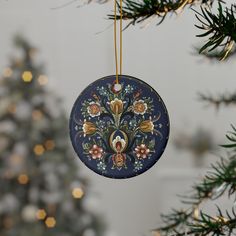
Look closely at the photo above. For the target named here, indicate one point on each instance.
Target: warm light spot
(12, 108)
(37, 115)
(7, 72)
(43, 79)
(221, 219)
(225, 220)
(23, 179)
(49, 144)
(39, 149)
(77, 193)
(196, 213)
(41, 214)
(50, 222)
(27, 76)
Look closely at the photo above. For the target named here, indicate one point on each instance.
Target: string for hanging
(115, 40)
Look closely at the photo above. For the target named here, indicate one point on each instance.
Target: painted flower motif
(139, 107)
(94, 109)
(103, 91)
(89, 128)
(142, 151)
(129, 89)
(117, 106)
(96, 152)
(118, 144)
(146, 126)
(119, 160)
(138, 165)
(118, 132)
(101, 166)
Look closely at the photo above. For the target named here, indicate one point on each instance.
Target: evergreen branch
(229, 99)
(231, 136)
(181, 223)
(216, 182)
(220, 29)
(175, 221)
(139, 11)
(213, 56)
(209, 225)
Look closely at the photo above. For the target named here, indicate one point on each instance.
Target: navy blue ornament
(119, 131)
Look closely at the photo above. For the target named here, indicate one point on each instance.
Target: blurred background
(75, 46)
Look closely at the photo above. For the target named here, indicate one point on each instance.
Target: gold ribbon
(115, 40)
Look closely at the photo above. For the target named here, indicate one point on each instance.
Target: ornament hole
(117, 87)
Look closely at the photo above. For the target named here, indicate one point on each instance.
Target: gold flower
(116, 106)
(94, 109)
(146, 126)
(140, 107)
(89, 128)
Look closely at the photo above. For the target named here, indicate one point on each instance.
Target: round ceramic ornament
(119, 130)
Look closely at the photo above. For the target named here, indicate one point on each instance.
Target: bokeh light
(50, 222)
(41, 214)
(42, 80)
(49, 144)
(23, 179)
(77, 193)
(27, 76)
(39, 149)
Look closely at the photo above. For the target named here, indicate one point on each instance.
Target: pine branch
(213, 56)
(223, 99)
(220, 29)
(209, 225)
(139, 11)
(231, 136)
(175, 221)
(216, 182)
(181, 223)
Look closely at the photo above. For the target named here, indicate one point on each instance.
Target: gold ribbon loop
(115, 40)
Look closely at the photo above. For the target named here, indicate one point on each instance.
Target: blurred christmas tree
(42, 192)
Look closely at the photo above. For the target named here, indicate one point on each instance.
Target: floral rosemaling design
(119, 161)
(142, 151)
(118, 144)
(96, 152)
(116, 106)
(140, 107)
(89, 128)
(94, 109)
(119, 129)
(146, 126)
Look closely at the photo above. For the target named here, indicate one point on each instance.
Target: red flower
(96, 152)
(142, 151)
(94, 109)
(119, 160)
